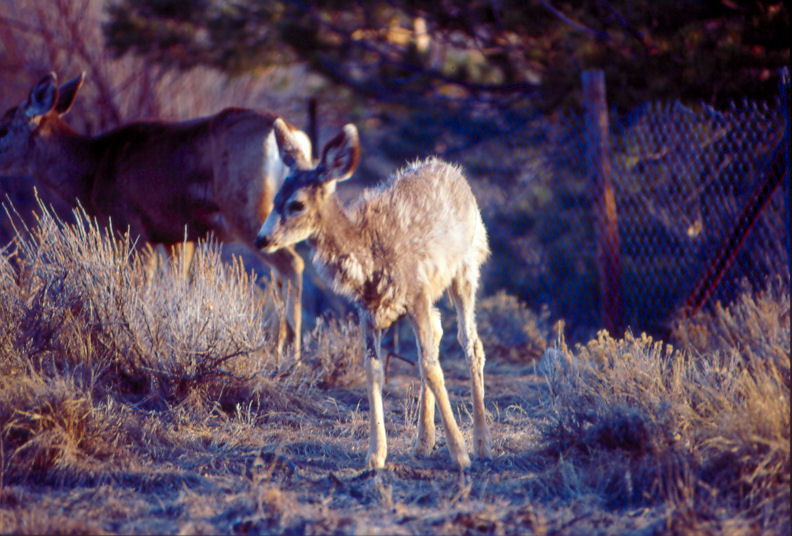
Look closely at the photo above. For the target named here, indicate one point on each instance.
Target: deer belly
(191, 221)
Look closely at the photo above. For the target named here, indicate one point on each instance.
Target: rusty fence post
(603, 201)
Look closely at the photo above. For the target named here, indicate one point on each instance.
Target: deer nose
(262, 241)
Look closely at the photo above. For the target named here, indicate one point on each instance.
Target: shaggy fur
(393, 253)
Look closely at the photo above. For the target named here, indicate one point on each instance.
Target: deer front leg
(289, 273)
(294, 302)
(375, 379)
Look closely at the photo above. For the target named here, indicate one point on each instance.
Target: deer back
(423, 225)
(217, 173)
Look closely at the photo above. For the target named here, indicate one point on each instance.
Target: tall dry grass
(89, 338)
(703, 428)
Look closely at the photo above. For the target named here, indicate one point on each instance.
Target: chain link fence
(701, 204)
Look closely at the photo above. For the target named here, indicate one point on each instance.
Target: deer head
(21, 125)
(296, 214)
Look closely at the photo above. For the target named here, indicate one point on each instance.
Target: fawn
(393, 253)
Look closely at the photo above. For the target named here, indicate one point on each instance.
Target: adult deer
(166, 182)
(392, 253)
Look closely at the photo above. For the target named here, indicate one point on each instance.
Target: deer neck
(65, 162)
(341, 251)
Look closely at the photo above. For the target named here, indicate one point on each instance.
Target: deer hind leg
(183, 253)
(426, 325)
(289, 266)
(156, 258)
(425, 440)
(152, 256)
(375, 379)
(463, 293)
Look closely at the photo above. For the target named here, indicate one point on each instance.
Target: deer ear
(341, 155)
(42, 97)
(67, 92)
(294, 146)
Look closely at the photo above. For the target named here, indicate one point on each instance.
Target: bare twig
(603, 36)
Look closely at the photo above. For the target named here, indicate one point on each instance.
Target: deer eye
(295, 206)
(3, 132)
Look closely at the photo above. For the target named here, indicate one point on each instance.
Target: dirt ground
(300, 472)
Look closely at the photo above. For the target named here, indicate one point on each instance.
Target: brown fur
(166, 182)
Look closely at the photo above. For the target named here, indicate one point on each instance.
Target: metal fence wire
(701, 203)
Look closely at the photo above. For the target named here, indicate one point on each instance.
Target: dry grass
(511, 331)
(335, 347)
(84, 325)
(705, 431)
(136, 404)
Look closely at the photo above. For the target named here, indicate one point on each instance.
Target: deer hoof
(375, 461)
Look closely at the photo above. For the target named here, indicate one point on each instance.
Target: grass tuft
(85, 322)
(337, 345)
(705, 427)
(509, 330)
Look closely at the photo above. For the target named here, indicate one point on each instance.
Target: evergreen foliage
(408, 51)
